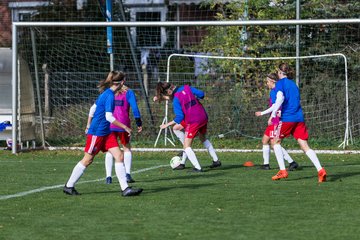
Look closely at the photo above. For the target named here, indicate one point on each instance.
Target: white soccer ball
(175, 162)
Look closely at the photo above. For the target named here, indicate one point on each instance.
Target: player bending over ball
(269, 131)
(99, 137)
(179, 131)
(191, 114)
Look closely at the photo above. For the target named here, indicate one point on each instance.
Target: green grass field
(233, 202)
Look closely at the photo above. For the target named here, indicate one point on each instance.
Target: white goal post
(347, 132)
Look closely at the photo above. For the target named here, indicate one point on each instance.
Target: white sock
(210, 148)
(120, 173)
(192, 157)
(287, 156)
(181, 137)
(78, 170)
(312, 155)
(184, 156)
(266, 153)
(279, 156)
(108, 164)
(127, 161)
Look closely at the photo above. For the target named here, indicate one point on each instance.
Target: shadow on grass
(187, 175)
(330, 177)
(182, 186)
(155, 190)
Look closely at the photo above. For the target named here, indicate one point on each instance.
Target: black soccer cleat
(70, 191)
(215, 164)
(180, 167)
(108, 180)
(293, 166)
(128, 192)
(129, 179)
(265, 167)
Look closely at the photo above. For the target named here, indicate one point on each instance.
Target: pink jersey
(121, 111)
(193, 110)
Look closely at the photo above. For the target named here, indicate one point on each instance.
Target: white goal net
(235, 87)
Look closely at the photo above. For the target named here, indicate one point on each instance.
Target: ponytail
(287, 70)
(114, 77)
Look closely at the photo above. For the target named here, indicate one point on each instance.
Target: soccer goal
(235, 88)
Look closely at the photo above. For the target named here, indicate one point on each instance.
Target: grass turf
(232, 202)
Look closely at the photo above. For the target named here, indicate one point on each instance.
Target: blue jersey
(272, 96)
(105, 103)
(130, 96)
(291, 110)
(179, 115)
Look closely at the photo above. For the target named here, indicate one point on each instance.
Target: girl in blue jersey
(100, 138)
(191, 114)
(292, 118)
(269, 131)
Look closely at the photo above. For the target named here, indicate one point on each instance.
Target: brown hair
(161, 90)
(123, 88)
(273, 76)
(285, 68)
(114, 77)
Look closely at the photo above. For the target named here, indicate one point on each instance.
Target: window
(148, 37)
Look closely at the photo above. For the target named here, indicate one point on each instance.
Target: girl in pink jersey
(124, 100)
(190, 112)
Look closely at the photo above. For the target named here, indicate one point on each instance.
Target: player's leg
(190, 153)
(109, 162)
(266, 152)
(92, 147)
(179, 132)
(128, 162)
(270, 132)
(121, 174)
(292, 164)
(282, 130)
(280, 159)
(113, 147)
(314, 159)
(76, 173)
(207, 144)
(301, 134)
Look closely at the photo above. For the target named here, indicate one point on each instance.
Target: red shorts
(297, 129)
(123, 137)
(183, 124)
(269, 131)
(191, 130)
(95, 144)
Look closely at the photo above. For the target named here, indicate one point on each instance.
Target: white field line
(217, 150)
(21, 194)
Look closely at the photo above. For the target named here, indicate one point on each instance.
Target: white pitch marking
(21, 194)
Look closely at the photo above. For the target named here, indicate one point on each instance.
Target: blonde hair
(114, 77)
